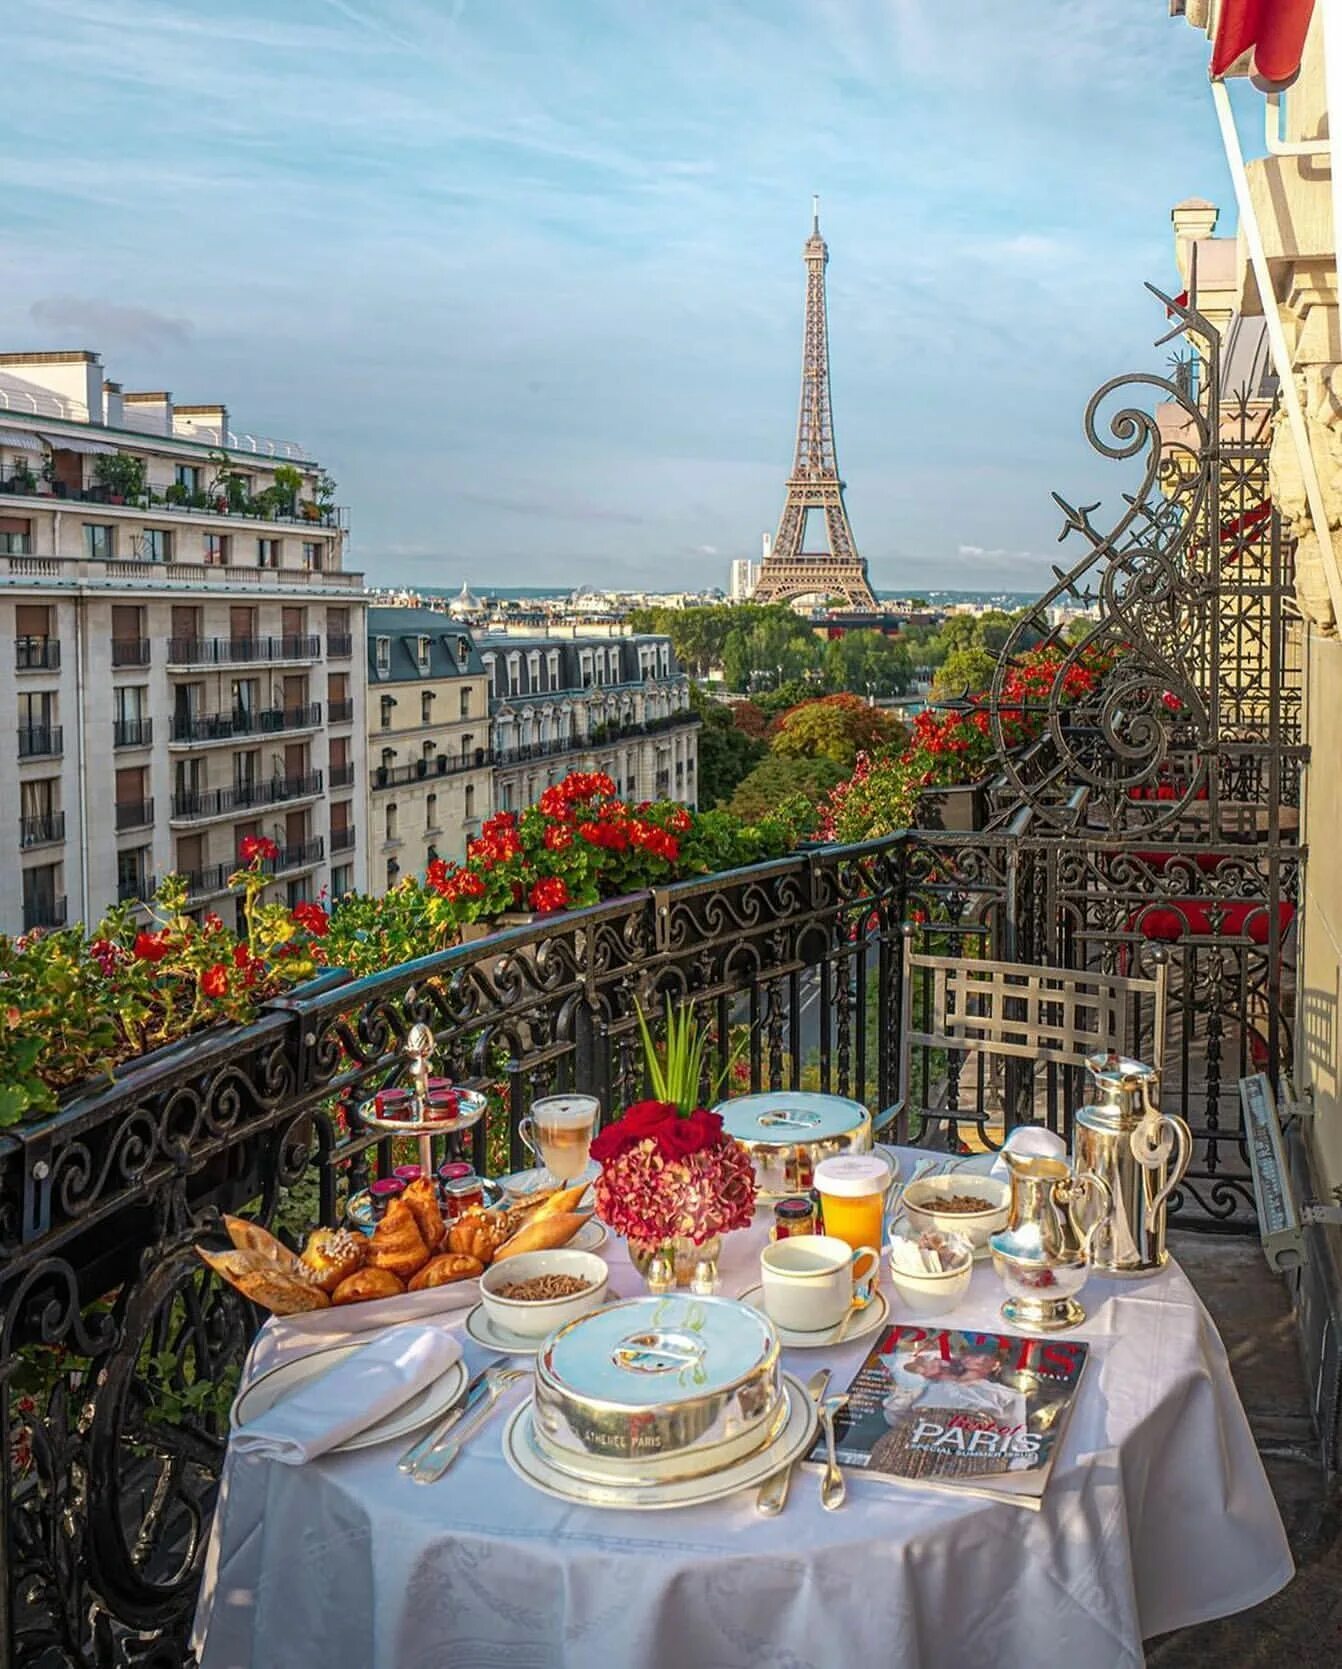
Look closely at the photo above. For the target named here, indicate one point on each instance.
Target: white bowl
(928, 1295)
(919, 1205)
(535, 1318)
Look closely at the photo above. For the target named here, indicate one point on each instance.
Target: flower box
(960, 809)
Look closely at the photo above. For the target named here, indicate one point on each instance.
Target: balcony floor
(1302, 1625)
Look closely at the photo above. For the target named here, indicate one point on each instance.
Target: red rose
(214, 981)
(639, 1123)
(151, 947)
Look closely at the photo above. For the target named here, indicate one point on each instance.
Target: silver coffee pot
(1140, 1154)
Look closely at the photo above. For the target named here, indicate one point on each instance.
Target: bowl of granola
(535, 1292)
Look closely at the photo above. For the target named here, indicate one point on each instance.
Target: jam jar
(406, 1174)
(461, 1193)
(381, 1193)
(797, 1215)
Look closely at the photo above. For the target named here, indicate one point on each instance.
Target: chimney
(1193, 219)
(151, 412)
(203, 423)
(72, 376)
(114, 415)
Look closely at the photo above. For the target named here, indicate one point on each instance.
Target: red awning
(1273, 31)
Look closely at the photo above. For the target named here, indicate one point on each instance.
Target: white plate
(426, 1405)
(591, 1235)
(521, 1453)
(874, 1316)
(521, 1183)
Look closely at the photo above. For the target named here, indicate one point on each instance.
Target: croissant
(541, 1233)
(368, 1283)
(257, 1277)
(397, 1244)
(451, 1266)
(332, 1255)
(422, 1199)
(478, 1234)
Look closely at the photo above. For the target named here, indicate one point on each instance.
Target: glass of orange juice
(852, 1189)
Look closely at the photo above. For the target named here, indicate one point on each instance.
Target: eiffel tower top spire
(789, 570)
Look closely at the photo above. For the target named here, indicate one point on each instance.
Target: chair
(1011, 1018)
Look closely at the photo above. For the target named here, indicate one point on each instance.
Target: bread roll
(397, 1244)
(368, 1283)
(478, 1234)
(332, 1256)
(441, 1271)
(542, 1233)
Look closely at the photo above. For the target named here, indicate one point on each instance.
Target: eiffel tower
(788, 570)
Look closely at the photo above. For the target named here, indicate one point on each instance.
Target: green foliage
(675, 1068)
(777, 780)
(122, 474)
(964, 669)
(867, 663)
(837, 727)
(726, 753)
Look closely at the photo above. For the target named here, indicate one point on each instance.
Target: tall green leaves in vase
(675, 1069)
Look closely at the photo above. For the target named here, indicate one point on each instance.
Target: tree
(837, 728)
(867, 662)
(764, 640)
(750, 718)
(964, 669)
(777, 779)
(726, 753)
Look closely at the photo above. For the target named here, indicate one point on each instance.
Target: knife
(772, 1495)
(474, 1411)
(435, 1434)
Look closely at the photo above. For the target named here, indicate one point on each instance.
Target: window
(463, 651)
(216, 550)
(387, 703)
(554, 669)
(130, 703)
(299, 891)
(507, 797)
(132, 870)
(312, 555)
(428, 749)
(156, 545)
(245, 774)
(470, 799)
(426, 707)
(465, 704)
(393, 870)
(514, 675)
(615, 666)
(391, 821)
(382, 653)
(16, 535)
(99, 542)
(534, 670)
(188, 476)
(342, 880)
(268, 553)
(585, 668)
(422, 653)
(431, 812)
(491, 667)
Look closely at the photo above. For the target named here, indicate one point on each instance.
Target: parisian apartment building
(589, 700)
(187, 652)
(430, 775)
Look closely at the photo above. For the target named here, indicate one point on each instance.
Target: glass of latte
(559, 1132)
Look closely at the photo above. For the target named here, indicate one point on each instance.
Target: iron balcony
(235, 651)
(242, 721)
(45, 830)
(219, 802)
(37, 654)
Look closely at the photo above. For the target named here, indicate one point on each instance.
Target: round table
(1158, 1516)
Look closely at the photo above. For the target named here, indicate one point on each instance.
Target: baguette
(541, 1234)
(258, 1278)
(565, 1199)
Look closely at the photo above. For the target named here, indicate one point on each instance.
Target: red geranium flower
(214, 981)
(257, 846)
(558, 837)
(312, 917)
(152, 947)
(549, 893)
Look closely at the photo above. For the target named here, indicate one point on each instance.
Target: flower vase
(677, 1264)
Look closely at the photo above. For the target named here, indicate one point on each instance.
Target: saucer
(527, 1460)
(589, 1237)
(521, 1183)
(866, 1321)
(481, 1328)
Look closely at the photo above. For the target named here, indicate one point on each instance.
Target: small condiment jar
(381, 1193)
(852, 1189)
(407, 1174)
(462, 1194)
(798, 1215)
(442, 1105)
(392, 1103)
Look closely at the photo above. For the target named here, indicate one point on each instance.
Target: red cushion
(1239, 918)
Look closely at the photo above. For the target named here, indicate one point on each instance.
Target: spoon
(772, 1495)
(832, 1489)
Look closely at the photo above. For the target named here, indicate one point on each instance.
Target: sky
(526, 275)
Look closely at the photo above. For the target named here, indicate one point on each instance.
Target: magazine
(982, 1413)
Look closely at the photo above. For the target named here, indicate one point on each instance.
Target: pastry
(257, 1277)
(422, 1198)
(248, 1236)
(368, 1283)
(563, 1199)
(450, 1266)
(331, 1255)
(542, 1233)
(397, 1244)
(478, 1234)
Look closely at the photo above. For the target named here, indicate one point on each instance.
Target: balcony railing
(44, 830)
(339, 646)
(132, 733)
(40, 741)
(130, 651)
(37, 654)
(43, 912)
(135, 889)
(295, 856)
(441, 765)
(201, 883)
(134, 814)
(341, 712)
(219, 802)
(238, 651)
(342, 840)
(260, 721)
(342, 776)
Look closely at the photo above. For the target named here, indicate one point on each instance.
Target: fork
(438, 1458)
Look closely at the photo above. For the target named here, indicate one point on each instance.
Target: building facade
(429, 782)
(618, 704)
(186, 655)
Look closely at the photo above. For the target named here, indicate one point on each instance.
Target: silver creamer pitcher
(1140, 1153)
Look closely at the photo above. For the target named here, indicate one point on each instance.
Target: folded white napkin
(349, 1398)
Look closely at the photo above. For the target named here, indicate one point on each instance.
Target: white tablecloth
(1158, 1515)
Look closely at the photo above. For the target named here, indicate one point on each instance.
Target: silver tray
(473, 1106)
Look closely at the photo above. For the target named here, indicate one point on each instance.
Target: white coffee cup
(811, 1281)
